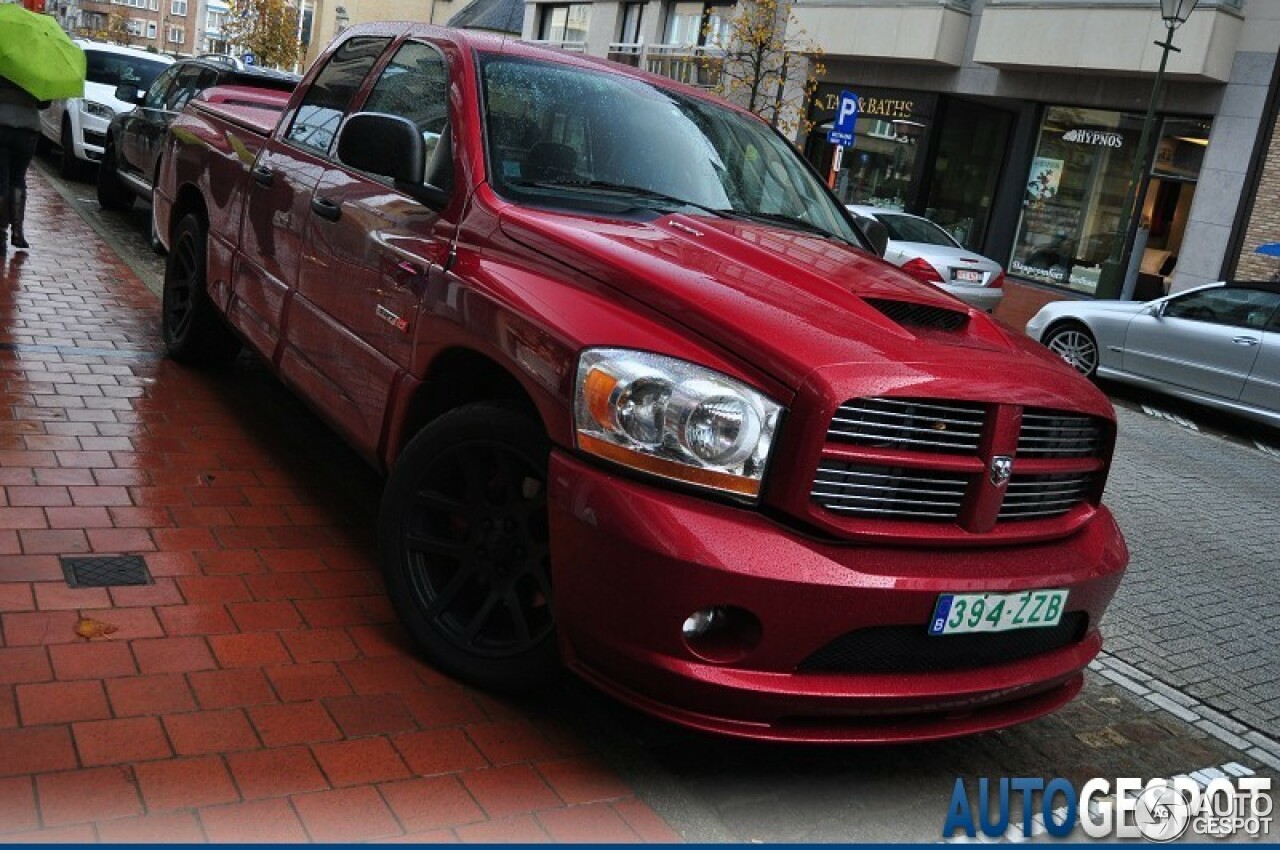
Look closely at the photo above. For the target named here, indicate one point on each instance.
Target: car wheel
(463, 537)
(194, 333)
(69, 168)
(112, 193)
(1075, 344)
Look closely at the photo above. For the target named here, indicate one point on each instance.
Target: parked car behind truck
(652, 411)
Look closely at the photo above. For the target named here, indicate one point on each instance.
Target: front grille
(1053, 433)
(911, 314)
(1040, 496)
(943, 426)
(884, 492)
(911, 649)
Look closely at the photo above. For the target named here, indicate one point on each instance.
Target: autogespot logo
(1159, 809)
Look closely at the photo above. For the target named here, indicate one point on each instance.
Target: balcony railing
(691, 64)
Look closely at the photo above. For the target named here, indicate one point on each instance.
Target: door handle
(263, 176)
(326, 209)
(1245, 340)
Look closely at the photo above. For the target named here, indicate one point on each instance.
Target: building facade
(1012, 123)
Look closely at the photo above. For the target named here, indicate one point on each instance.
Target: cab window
(327, 100)
(415, 85)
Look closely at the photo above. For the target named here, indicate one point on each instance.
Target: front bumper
(632, 561)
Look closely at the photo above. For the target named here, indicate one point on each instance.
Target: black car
(134, 139)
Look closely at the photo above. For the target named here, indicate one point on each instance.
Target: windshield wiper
(621, 188)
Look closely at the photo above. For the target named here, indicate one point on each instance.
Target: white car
(79, 125)
(1217, 345)
(925, 251)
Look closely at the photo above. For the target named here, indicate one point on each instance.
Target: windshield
(112, 69)
(907, 228)
(579, 138)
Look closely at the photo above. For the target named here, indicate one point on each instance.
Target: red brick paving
(260, 689)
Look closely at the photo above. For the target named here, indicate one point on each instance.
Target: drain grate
(105, 570)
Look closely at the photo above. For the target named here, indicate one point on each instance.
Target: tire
(463, 540)
(113, 194)
(69, 168)
(194, 332)
(1075, 344)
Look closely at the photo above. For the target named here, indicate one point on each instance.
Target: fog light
(722, 634)
(701, 622)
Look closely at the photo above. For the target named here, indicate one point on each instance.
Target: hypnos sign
(1094, 137)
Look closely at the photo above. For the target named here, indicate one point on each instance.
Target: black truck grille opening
(911, 649)
(908, 423)
(911, 314)
(1052, 433)
(886, 492)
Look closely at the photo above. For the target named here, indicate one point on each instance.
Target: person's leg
(6, 160)
(19, 160)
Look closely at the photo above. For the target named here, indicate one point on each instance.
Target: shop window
(1076, 186)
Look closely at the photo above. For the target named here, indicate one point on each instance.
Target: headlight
(100, 110)
(674, 419)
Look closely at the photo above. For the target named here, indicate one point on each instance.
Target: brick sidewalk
(259, 690)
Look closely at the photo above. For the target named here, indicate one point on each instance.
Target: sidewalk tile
(348, 814)
(80, 796)
(204, 732)
(276, 772)
(444, 750)
(185, 783)
(359, 762)
(61, 702)
(171, 828)
(293, 723)
(120, 741)
(159, 693)
(431, 803)
(261, 821)
(596, 824)
(511, 790)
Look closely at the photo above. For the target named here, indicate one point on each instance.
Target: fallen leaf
(89, 628)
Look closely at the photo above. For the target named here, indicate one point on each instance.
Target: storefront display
(1077, 183)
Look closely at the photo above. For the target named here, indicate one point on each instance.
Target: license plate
(966, 613)
(967, 275)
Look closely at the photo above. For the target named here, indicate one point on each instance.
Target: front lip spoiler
(1040, 699)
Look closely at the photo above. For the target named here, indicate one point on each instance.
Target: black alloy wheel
(193, 331)
(465, 543)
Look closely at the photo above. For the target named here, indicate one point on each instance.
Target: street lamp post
(1112, 283)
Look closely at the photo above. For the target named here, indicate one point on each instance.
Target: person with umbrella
(38, 63)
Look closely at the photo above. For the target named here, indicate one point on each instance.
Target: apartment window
(176, 35)
(136, 26)
(632, 13)
(565, 23)
(178, 7)
(151, 29)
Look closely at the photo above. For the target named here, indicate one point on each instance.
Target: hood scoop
(916, 316)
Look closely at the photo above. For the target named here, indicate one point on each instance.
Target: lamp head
(1176, 12)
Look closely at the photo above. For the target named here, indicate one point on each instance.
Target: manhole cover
(105, 570)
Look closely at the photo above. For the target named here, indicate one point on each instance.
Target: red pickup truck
(649, 403)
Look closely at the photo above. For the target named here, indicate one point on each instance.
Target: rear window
(112, 69)
(903, 228)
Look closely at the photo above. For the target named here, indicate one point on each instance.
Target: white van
(79, 125)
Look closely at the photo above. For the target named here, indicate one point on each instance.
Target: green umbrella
(38, 56)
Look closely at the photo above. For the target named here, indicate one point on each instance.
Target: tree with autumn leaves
(266, 28)
(769, 65)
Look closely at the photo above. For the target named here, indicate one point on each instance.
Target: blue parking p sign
(841, 132)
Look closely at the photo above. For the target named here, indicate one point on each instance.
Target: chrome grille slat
(1054, 433)
(1037, 496)
(923, 424)
(884, 492)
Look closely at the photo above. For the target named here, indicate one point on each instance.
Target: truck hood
(801, 300)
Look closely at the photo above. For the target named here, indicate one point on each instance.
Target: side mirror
(388, 146)
(1160, 309)
(877, 234)
(130, 93)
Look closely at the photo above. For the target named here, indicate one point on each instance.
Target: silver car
(1218, 345)
(925, 251)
